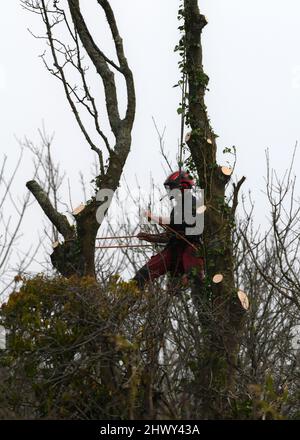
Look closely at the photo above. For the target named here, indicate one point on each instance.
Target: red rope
(111, 238)
(123, 246)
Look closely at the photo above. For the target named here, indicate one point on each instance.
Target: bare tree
(76, 254)
(13, 260)
(282, 237)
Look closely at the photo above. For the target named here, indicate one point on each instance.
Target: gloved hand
(154, 238)
(143, 236)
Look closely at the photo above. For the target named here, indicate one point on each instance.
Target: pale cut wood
(79, 209)
(227, 171)
(188, 136)
(218, 278)
(244, 299)
(55, 244)
(201, 209)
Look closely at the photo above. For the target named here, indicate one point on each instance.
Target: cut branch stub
(201, 209)
(244, 299)
(202, 21)
(227, 171)
(188, 136)
(218, 278)
(79, 209)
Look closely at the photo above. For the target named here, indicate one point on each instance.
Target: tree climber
(182, 236)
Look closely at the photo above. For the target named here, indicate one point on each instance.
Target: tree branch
(100, 64)
(236, 190)
(59, 220)
(122, 59)
(68, 89)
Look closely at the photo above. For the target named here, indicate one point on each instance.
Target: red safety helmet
(180, 180)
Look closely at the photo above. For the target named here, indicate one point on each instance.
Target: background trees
(78, 348)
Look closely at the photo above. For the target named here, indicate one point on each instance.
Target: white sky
(251, 53)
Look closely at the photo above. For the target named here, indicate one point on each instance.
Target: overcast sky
(251, 54)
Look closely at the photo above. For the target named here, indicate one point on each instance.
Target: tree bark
(220, 312)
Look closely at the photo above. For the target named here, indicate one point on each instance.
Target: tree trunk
(220, 312)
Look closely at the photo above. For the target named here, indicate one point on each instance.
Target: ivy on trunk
(220, 313)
